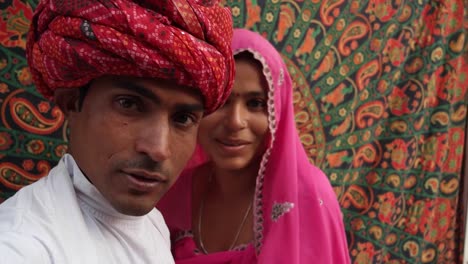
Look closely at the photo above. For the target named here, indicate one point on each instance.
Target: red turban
(72, 42)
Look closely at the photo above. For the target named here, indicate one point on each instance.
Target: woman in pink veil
(240, 202)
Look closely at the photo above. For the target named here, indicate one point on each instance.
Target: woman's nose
(236, 118)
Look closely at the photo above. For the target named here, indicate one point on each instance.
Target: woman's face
(235, 135)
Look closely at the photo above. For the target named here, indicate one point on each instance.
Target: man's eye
(185, 119)
(128, 103)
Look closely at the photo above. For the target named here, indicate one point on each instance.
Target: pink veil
(297, 218)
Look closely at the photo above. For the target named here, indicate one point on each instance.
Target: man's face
(133, 137)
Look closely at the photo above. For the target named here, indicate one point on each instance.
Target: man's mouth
(142, 180)
(145, 175)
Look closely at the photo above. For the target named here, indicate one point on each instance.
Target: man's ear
(67, 100)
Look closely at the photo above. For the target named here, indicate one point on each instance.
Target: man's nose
(154, 140)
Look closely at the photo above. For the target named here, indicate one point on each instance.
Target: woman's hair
(248, 56)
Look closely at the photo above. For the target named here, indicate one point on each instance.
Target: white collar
(92, 200)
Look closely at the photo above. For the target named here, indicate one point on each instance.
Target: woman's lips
(232, 146)
(233, 142)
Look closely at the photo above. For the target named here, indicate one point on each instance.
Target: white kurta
(63, 219)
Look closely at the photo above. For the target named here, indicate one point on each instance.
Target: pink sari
(297, 218)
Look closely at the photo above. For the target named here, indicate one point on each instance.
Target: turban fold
(72, 42)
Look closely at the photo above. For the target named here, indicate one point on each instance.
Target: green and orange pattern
(380, 99)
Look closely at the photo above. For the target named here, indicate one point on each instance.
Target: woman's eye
(256, 103)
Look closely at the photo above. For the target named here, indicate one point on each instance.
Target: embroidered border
(181, 234)
(258, 203)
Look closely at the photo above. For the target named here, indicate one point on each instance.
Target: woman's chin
(232, 164)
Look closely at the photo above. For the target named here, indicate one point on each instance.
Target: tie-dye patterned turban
(72, 42)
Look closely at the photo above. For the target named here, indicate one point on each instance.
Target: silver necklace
(200, 213)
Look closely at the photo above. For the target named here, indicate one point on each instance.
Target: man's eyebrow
(145, 92)
(137, 88)
(186, 107)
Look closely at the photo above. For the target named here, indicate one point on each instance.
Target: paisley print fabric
(380, 100)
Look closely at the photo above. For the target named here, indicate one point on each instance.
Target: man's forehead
(154, 89)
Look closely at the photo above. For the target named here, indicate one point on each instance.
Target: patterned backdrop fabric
(380, 99)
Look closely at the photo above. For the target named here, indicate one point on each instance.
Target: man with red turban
(134, 78)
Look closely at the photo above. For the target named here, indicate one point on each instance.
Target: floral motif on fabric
(279, 209)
